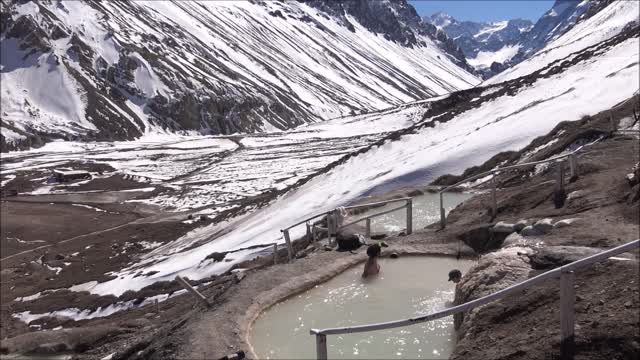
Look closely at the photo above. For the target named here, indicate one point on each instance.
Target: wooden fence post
(494, 197)
(443, 219)
(289, 246)
(567, 316)
(612, 122)
(185, 284)
(321, 346)
(573, 165)
(275, 253)
(409, 216)
(331, 225)
(559, 195)
(368, 233)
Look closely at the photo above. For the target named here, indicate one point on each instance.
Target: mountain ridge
(493, 47)
(128, 68)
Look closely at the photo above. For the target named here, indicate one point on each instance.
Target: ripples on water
(405, 287)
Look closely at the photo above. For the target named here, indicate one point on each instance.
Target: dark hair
(373, 250)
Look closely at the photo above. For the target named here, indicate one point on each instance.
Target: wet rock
(530, 231)
(544, 225)
(521, 224)
(328, 248)
(203, 218)
(394, 255)
(628, 304)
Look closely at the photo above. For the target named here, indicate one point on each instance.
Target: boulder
(482, 238)
(521, 224)
(544, 225)
(564, 223)
(530, 231)
(514, 239)
(503, 227)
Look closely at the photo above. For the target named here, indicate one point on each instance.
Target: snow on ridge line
(508, 122)
(602, 26)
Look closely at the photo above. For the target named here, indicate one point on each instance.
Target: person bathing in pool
(371, 267)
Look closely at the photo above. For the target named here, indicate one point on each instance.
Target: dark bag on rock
(347, 242)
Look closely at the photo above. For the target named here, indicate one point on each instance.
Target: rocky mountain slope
(118, 70)
(493, 47)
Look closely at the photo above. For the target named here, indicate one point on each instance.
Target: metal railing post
(567, 315)
(443, 219)
(409, 216)
(368, 221)
(288, 241)
(321, 346)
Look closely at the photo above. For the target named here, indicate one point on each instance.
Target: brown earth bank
(89, 244)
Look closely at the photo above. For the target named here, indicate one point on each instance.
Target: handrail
(563, 271)
(374, 215)
(305, 220)
(571, 156)
(376, 203)
(333, 228)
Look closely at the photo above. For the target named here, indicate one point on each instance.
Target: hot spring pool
(406, 287)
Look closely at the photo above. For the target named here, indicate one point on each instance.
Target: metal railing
(572, 158)
(567, 299)
(333, 227)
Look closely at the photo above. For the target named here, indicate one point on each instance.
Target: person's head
(373, 250)
(455, 275)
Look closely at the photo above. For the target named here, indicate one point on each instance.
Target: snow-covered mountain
(108, 70)
(493, 47)
(483, 43)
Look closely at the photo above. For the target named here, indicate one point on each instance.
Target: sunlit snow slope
(116, 70)
(601, 26)
(503, 117)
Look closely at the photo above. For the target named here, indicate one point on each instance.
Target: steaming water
(405, 287)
